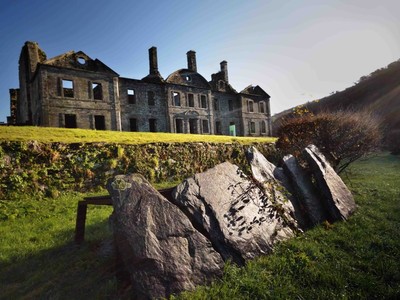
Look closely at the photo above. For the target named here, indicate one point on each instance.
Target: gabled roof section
(219, 84)
(255, 90)
(189, 78)
(153, 78)
(79, 61)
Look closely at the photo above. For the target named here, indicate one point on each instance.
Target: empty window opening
(188, 78)
(131, 96)
(179, 125)
(191, 100)
(68, 88)
(176, 98)
(153, 125)
(218, 127)
(216, 104)
(230, 105)
(99, 123)
(81, 60)
(150, 98)
(193, 128)
(203, 101)
(132, 124)
(70, 121)
(250, 106)
(205, 126)
(252, 127)
(97, 91)
(262, 107)
(263, 127)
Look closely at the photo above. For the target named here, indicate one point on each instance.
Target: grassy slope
(380, 93)
(359, 258)
(46, 135)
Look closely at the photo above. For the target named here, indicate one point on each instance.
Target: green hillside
(378, 92)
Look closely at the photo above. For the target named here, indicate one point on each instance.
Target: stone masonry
(74, 91)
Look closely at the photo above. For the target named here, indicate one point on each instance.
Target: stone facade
(74, 91)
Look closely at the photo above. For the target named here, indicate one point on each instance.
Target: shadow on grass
(69, 271)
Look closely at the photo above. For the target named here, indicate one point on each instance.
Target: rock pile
(171, 245)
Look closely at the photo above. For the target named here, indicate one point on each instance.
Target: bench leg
(80, 223)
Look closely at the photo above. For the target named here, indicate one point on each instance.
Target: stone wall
(47, 169)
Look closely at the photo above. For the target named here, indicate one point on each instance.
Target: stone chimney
(153, 61)
(224, 70)
(191, 57)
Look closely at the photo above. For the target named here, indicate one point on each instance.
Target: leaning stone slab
(339, 200)
(305, 190)
(273, 180)
(233, 212)
(156, 242)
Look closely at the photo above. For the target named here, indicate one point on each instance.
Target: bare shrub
(342, 136)
(392, 142)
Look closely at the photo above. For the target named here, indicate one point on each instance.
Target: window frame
(203, 101)
(131, 98)
(92, 90)
(176, 99)
(65, 90)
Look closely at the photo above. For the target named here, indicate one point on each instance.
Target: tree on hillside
(343, 137)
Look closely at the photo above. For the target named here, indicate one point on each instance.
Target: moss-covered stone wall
(48, 169)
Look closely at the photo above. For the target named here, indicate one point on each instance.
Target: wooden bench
(99, 200)
(81, 214)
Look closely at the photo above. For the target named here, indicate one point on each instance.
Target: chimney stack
(191, 57)
(153, 61)
(224, 70)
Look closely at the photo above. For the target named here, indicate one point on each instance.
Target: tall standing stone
(305, 190)
(339, 200)
(156, 242)
(273, 180)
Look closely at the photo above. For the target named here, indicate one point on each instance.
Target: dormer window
(187, 78)
(221, 85)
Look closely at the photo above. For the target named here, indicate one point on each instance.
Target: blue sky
(295, 50)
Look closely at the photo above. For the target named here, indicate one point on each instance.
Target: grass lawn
(48, 135)
(359, 258)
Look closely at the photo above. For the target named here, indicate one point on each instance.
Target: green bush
(342, 137)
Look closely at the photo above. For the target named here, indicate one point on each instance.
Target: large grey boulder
(275, 183)
(156, 242)
(337, 197)
(305, 190)
(239, 219)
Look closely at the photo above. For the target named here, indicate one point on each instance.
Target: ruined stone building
(74, 91)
